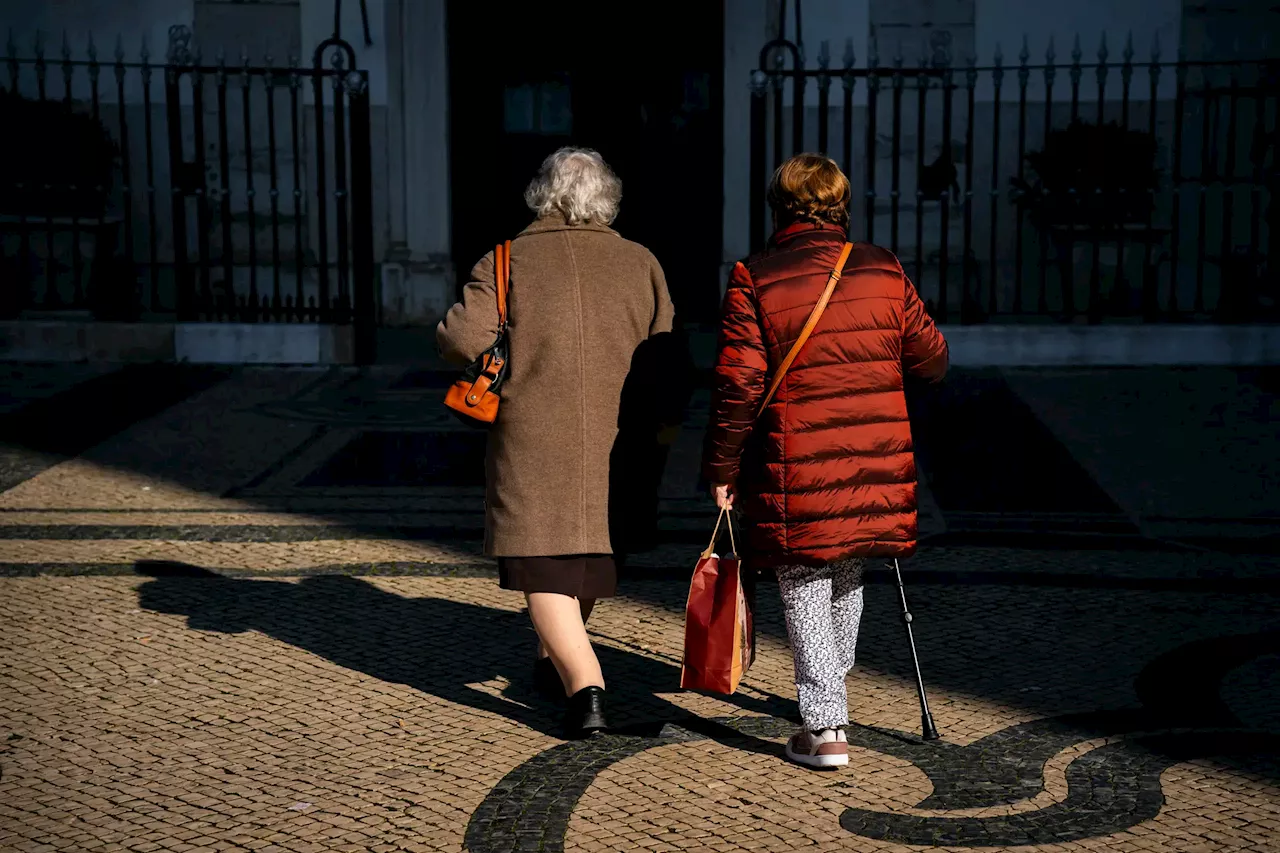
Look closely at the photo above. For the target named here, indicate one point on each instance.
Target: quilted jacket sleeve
(471, 326)
(738, 385)
(924, 350)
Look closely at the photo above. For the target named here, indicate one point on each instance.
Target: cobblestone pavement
(252, 616)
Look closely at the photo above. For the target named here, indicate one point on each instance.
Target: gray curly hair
(577, 184)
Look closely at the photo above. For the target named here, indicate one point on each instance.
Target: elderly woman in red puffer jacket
(826, 473)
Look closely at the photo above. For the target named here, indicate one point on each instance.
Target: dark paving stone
(1109, 789)
(1266, 378)
(388, 459)
(985, 451)
(48, 431)
(159, 568)
(243, 532)
(428, 379)
(875, 577)
(474, 532)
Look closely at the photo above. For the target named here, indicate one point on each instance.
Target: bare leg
(586, 605)
(560, 626)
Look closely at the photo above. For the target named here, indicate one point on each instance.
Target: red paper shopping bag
(718, 633)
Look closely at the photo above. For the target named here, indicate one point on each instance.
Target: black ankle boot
(585, 714)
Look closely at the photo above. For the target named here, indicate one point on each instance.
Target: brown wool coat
(583, 301)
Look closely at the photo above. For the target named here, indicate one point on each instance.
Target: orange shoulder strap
(502, 277)
(809, 325)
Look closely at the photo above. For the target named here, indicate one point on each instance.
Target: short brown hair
(810, 186)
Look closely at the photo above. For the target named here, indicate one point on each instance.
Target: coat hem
(823, 557)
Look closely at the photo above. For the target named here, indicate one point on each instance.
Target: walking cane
(927, 729)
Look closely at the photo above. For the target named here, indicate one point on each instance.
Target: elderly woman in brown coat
(583, 303)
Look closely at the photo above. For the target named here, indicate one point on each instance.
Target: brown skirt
(577, 575)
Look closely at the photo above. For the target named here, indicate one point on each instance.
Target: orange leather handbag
(474, 397)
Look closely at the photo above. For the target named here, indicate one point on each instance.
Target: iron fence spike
(873, 52)
(66, 47)
(1025, 55)
(1076, 53)
(92, 49)
(824, 54)
(39, 46)
(1128, 47)
(119, 52)
(849, 56)
(1102, 49)
(998, 58)
(1155, 47)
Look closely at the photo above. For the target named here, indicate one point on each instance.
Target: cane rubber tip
(929, 732)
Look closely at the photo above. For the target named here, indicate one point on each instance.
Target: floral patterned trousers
(823, 607)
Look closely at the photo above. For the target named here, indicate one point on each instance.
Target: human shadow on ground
(440, 647)
(1111, 788)
(434, 645)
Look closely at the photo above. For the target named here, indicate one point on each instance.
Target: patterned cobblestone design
(215, 637)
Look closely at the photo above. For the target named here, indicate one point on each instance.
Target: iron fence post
(184, 282)
(365, 319)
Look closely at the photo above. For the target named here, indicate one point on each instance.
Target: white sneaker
(822, 750)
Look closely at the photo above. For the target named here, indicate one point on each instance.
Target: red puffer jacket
(828, 471)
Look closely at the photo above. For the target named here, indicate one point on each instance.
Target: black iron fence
(1119, 190)
(190, 189)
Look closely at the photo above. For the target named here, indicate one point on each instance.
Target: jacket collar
(555, 223)
(804, 226)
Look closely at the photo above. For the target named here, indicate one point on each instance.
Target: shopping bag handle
(726, 516)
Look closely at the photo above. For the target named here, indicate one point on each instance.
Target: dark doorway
(641, 83)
